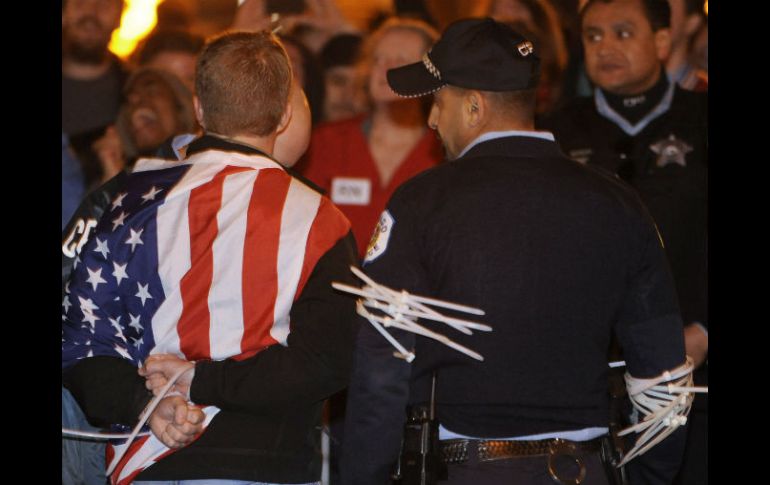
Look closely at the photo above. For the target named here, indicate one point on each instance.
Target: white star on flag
(66, 304)
(143, 292)
(86, 305)
(118, 200)
(150, 195)
(91, 319)
(134, 323)
(115, 322)
(136, 238)
(138, 342)
(123, 352)
(119, 271)
(95, 277)
(118, 221)
(101, 247)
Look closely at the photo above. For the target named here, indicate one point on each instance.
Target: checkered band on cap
(430, 66)
(475, 53)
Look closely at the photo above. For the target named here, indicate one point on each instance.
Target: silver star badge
(671, 150)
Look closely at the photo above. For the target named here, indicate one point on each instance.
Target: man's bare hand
(158, 369)
(696, 344)
(175, 423)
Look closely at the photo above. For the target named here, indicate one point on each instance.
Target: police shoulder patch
(379, 241)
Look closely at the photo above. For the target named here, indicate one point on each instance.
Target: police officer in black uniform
(558, 254)
(653, 134)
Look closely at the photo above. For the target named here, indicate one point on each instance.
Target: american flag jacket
(227, 260)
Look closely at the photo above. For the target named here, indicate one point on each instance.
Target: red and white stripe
(237, 239)
(143, 452)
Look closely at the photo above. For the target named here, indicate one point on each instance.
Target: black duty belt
(457, 451)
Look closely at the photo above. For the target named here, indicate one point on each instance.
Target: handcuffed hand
(176, 423)
(158, 369)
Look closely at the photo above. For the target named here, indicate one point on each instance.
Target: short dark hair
(242, 80)
(658, 12)
(517, 104)
(340, 50)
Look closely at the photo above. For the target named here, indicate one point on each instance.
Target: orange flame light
(139, 18)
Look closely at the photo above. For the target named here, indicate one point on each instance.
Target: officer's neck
(635, 107)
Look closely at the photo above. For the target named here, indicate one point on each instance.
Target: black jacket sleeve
(108, 389)
(650, 332)
(380, 383)
(376, 408)
(315, 363)
(649, 324)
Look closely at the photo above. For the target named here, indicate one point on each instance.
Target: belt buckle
(561, 447)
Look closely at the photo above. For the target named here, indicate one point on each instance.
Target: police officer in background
(653, 134)
(558, 254)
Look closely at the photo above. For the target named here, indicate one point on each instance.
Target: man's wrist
(189, 386)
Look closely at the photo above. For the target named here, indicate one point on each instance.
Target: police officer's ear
(663, 43)
(475, 106)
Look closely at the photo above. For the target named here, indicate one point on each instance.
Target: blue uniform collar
(491, 135)
(604, 109)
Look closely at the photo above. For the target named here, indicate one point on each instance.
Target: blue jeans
(209, 482)
(82, 460)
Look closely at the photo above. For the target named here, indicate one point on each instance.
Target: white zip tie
(108, 436)
(665, 406)
(410, 326)
(97, 434)
(456, 323)
(402, 309)
(419, 299)
(143, 419)
(408, 356)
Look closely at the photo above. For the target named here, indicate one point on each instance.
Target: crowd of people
(544, 161)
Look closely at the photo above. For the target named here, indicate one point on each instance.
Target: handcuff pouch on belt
(419, 462)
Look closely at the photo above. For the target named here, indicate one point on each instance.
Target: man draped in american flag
(221, 265)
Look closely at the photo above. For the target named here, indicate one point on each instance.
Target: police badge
(379, 241)
(671, 150)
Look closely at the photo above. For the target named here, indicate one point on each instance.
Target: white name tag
(351, 191)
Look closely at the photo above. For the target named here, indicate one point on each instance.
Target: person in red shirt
(360, 161)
